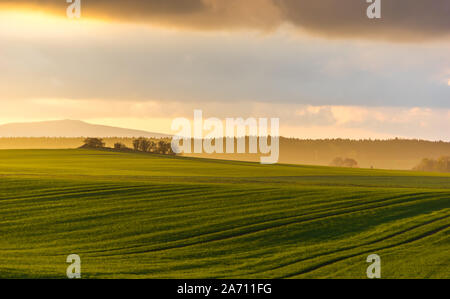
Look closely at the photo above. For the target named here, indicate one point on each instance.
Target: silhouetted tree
(347, 162)
(443, 164)
(350, 163)
(440, 165)
(164, 147)
(141, 144)
(136, 144)
(93, 143)
(152, 147)
(144, 144)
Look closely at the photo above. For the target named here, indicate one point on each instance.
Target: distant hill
(70, 128)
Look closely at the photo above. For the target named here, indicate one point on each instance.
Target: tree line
(434, 165)
(344, 162)
(147, 145)
(161, 146)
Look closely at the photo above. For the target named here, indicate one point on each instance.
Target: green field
(147, 216)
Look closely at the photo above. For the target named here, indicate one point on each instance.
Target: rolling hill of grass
(397, 154)
(131, 215)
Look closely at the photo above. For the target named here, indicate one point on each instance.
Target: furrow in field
(265, 226)
(378, 249)
(384, 238)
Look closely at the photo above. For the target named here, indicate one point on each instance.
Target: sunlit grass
(149, 216)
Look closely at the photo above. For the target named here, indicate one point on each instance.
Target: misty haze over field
(385, 154)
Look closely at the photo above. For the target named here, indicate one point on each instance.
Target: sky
(322, 67)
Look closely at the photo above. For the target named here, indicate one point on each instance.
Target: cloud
(94, 60)
(365, 122)
(402, 20)
(192, 14)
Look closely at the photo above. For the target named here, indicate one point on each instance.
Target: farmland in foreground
(131, 215)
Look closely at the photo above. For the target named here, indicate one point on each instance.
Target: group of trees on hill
(161, 146)
(93, 143)
(440, 165)
(346, 162)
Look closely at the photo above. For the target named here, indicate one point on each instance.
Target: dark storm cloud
(402, 20)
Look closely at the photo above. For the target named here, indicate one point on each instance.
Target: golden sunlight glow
(26, 23)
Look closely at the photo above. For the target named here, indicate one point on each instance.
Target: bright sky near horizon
(140, 64)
